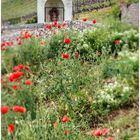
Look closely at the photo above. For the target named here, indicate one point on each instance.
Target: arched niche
(54, 10)
(63, 6)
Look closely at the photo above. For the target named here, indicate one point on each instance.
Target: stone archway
(62, 10)
(54, 10)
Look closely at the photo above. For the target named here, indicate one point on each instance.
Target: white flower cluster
(133, 56)
(107, 93)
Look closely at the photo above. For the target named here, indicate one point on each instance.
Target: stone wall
(130, 13)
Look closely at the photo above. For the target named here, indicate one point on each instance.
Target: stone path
(12, 31)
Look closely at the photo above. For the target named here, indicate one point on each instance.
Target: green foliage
(116, 11)
(32, 20)
(15, 20)
(84, 90)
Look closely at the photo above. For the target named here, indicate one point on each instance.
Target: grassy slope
(102, 15)
(125, 124)
(17, 8)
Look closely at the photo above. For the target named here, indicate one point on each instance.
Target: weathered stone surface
(12, 31)
(130, 14)
(44, 5)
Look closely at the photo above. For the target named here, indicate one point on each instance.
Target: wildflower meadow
(62, 83)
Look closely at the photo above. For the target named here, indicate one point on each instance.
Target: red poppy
(17, 39)
(67, 40)
(26, 35)
(105, 131)
(77, 55)
(20, 109)
(65, 56)
(66, 119)
(37, 35)
(3, 46)
(21, 67)
(64, 24)
(94, 21)
(59, 26)
(42, 43)
(27, 68)
(48, 26)
(9, 43)
(4, 109)
(11, 128)
(66, 132)
(14, 87)
(84, 19)
(14, 76)
(2, 81)
(28, 82)
(55, 23)
(110, 138)
(19, 42)
(117, 42)
(97, 133)
(18, 67)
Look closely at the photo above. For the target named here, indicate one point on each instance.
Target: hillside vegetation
(17, 8)
(13, 9)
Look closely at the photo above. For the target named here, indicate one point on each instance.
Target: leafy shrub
(15, 20)
(57, 46)
(116, 11)
(32, 20)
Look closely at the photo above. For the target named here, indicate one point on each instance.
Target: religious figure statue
(54, 14)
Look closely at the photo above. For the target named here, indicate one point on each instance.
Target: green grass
(17, 8)
(87, 90)
(102, 16)
(124, 124)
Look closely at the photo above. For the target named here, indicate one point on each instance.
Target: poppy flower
(19, 109)
(14, 87)
(9, 43)
(55, 23)
(19, 42)
(4, 109)
(58, 26)
(65, 56)
(26, 35)
(66, 132)
(94, 21)
(77, 55)
(3, 46)
(14, 76)
(96, 133)
(37, 35)
(110, 138)
(67, 40)
(18, 67)
(11, 128)
(27, 68)
(28, 82)
(17, 39)
(2, 81)
(84, 19)
(66, 119)
(48, 26)
(105, 131)
(42, 43)
(117, 42)
(64, 24)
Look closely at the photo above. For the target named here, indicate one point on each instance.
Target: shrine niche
(54, 10)
(54, 15)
